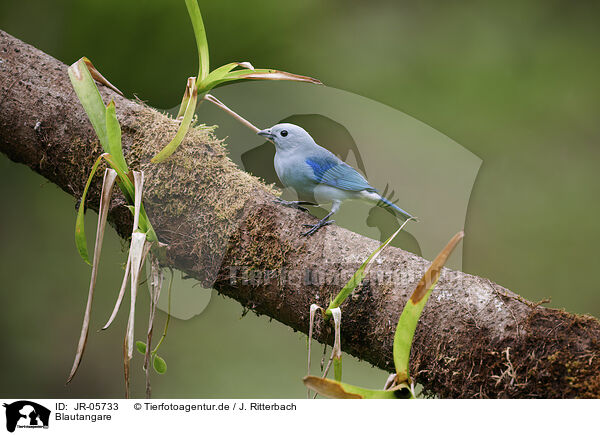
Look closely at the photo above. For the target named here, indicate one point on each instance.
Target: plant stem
(226, 109)
(164, 334)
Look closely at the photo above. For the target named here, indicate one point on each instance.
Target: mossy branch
(199, 202)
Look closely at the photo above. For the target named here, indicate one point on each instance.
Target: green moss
(195, 199)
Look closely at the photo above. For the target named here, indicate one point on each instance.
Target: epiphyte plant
(144, 241)
(399, 385)
(206, 80)
(143, 238)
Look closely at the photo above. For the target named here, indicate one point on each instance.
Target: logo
(26, 414)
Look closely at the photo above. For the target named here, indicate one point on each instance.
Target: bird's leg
(294, 204)
(322, 223)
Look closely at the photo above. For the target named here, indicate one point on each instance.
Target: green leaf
(217, 74)
(184, 101)
(407, 324)
(159, 365)
(216, 77)
(128, 190)
(270, 74)
(141, 347)
(250, 74)
(360, 274)
(337, 368)
(124, 181)
(99, 77)
(340, 390)
(200, 34)
(80, 240)
(81, 74)
(90, 99)
(183, 127)
(113, 132)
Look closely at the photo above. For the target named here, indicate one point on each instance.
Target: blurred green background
(514, 82)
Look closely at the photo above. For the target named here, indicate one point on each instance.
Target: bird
(318, 176)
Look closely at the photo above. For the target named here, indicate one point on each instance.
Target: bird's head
(287, 136)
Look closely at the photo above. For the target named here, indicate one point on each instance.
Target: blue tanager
(317, 175)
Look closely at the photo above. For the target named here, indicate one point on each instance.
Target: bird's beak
(266, 133)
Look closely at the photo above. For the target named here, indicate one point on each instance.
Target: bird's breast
(293, 172)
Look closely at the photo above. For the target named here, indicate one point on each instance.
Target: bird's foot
(314, 228)
(294, 204)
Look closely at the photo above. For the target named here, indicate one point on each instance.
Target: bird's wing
(333, 172)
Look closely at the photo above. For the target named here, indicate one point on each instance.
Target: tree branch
(475, 338)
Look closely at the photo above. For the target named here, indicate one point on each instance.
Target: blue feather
(320, 167)
(337, 174)
(388, 203)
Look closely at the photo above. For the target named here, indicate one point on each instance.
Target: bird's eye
(283, 133)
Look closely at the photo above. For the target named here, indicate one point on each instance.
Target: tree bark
(475, 338)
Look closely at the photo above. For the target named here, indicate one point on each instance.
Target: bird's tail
(403, 214)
